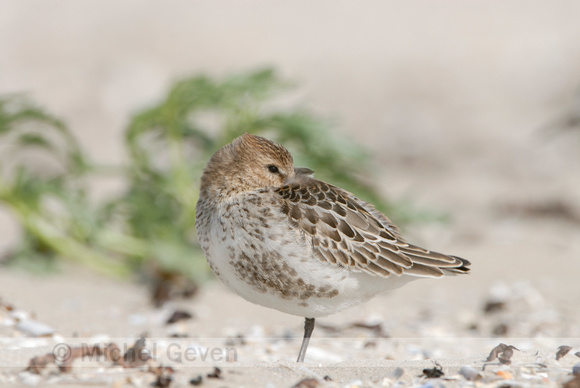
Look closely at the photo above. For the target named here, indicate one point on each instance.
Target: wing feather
(349, 232)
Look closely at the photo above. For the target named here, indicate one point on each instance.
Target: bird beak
(303, 171)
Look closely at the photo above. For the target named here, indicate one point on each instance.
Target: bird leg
(308, 328)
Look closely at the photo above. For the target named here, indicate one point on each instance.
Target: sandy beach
(456, 101)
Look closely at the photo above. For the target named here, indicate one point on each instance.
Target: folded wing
(349, 232)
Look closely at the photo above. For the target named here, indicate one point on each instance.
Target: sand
(423, 326)
(452, 99)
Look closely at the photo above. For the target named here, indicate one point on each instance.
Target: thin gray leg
(308, 328)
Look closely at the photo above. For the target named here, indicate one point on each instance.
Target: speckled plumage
(283, 239)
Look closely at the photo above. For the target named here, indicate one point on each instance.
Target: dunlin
(280, 238)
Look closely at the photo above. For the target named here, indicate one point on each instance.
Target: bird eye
(273, 169)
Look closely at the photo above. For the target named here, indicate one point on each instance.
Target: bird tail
(462, 269)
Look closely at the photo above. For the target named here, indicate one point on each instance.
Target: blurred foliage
(42, 170)
(150, 227)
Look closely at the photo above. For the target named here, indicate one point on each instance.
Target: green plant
(150, 227)
(41, 181)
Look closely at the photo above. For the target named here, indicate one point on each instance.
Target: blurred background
(459, 119)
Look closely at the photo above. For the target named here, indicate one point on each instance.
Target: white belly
(273, 265)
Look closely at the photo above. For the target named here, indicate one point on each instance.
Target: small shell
(470, 374)
(505, 375)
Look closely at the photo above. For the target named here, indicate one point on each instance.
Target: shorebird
(280, 238)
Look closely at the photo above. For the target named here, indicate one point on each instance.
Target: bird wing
(349, 232)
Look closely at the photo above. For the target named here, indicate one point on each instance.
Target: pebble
(34, 328)
(470, 374)
(576, 369)
(196, 380)
(7, 321)
(397, 373)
